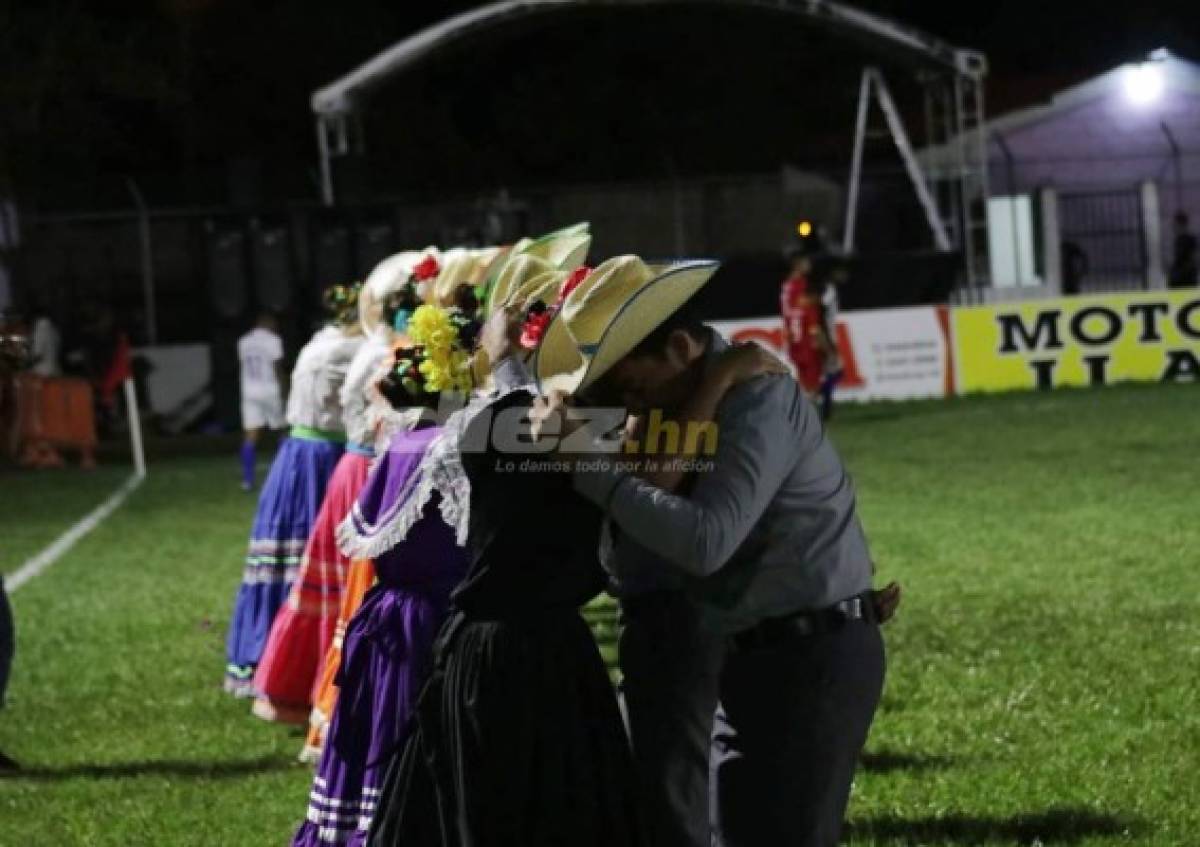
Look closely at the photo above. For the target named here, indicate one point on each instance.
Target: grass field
(1044, 679)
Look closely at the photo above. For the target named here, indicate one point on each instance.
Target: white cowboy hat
(565, 249)
(386, 278)
(620, 303)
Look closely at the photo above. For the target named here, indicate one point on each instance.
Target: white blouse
(315, 397)
(359, 392)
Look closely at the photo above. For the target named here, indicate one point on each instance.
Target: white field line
(48, 556)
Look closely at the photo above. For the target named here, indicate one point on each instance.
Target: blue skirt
(287, 509)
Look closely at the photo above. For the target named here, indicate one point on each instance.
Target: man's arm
(763, 428)
(736, 365)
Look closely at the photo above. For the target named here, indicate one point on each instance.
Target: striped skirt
(287, 510)
(290, 668)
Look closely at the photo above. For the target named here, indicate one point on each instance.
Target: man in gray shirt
(769, 544)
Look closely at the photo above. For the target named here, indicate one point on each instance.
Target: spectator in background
(13, 353)
(1183, 261)
(260, 352)
(802, 319)
(829, 273)
(102, 355)
(6, 654)
(53, 411)
(1074, 267)
(45, 343)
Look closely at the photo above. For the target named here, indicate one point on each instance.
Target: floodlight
(1143, 83)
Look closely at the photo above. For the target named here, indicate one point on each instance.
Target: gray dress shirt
(772, 528)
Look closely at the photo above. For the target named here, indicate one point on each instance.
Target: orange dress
(359, 580)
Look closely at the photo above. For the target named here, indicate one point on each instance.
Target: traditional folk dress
(517, 738)
(290, 670)
(290, 499)
(386, 422)
(389, 641)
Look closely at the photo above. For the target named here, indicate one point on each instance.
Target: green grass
(38, 507)
(1043, 679)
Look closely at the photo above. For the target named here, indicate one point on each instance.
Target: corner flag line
(51, 554)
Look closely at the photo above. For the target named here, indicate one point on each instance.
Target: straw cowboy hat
(525, 279)
(387, 277)
(565, 248)
(620, 303)
(462, 266)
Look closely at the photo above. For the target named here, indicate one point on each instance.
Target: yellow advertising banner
(1095, 340)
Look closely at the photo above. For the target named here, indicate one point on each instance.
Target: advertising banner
(887, 354)
(1096, 340)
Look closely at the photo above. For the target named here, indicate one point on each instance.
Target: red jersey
(802, 323)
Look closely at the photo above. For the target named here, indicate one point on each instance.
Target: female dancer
(516, 739)
(389, 641)
(290, 669)
(294, 488)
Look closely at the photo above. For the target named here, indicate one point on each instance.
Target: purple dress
(387, 653)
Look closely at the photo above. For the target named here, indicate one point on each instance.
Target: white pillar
(1152, 227)
(1051, 241)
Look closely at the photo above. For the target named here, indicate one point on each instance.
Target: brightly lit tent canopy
(952, 77)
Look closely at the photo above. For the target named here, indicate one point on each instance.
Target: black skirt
(517, 742)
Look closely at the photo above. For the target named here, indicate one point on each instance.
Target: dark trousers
(829, 383)
(6, 640)
(793, 721)
(671, 665)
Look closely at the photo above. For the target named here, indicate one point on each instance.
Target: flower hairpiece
(539, 315)
(444, 363)
(342, 301)
(427, 268)
(537, 318)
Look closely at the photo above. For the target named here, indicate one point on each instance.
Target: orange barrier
(54, 413)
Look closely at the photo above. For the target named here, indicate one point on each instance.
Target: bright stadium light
(1143, 83)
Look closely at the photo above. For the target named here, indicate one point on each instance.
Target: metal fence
(1103, 240)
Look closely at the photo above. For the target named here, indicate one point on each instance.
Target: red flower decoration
(572, 282)
(535, 327)
(427, 269)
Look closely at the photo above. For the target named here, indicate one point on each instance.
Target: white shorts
(263, 411)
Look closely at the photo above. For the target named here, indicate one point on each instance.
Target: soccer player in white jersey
(260, 352)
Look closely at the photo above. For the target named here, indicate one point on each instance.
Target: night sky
(197, 98)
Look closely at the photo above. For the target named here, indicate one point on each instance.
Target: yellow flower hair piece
(445, 365)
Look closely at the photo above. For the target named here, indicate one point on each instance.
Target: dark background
(207, 101)
(204, 106)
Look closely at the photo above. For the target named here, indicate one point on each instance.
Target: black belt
(800, 624)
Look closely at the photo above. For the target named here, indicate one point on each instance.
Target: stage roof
(873, 33)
